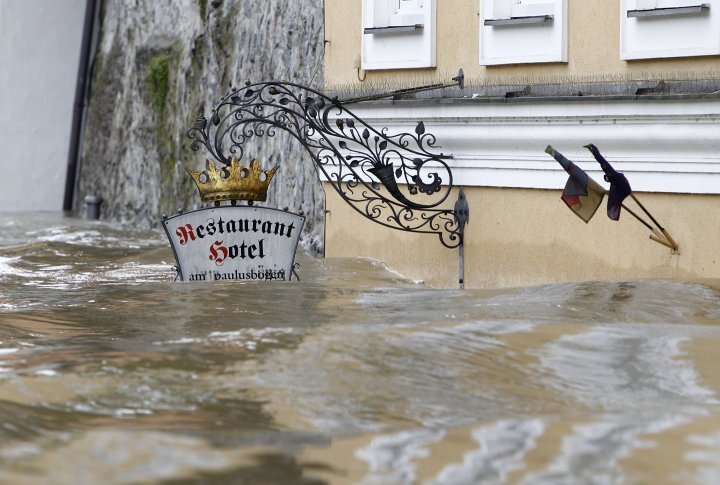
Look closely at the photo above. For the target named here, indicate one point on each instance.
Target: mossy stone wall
(159, 66)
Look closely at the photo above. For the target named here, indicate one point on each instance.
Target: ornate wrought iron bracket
(396, 180)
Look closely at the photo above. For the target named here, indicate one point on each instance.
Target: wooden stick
(646, 211)
(638, 217)
(661, 241)
(671, 242)
(657, 236)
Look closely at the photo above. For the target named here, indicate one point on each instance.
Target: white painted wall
(39, 56)
(661, 146)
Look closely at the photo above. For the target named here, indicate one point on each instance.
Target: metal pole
(459, 82)
(461, 268)
(461, 211)
(79, 104)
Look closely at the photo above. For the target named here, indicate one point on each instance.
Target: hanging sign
(234, 243)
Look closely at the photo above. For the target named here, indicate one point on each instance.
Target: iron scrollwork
(366, 166)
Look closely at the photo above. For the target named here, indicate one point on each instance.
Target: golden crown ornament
(233, 182)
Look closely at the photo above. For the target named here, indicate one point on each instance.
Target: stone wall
(159, 65)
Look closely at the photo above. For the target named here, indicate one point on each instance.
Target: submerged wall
(159, 66)
(643, 90)
(519, 237)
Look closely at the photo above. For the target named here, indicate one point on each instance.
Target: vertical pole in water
(462, 214)
(461, 269)
(81, 92)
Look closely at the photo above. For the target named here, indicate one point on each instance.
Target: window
(523, 31)
(520, 11)
(396, 14)
(667, 8)
(398, 34)
(651, 29)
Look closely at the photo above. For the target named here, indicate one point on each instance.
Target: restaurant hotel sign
(233, 242)
(396, 180)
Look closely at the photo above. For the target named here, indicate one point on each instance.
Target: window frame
(403, 41)
(545, 25)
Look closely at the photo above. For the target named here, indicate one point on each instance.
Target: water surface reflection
(112, 372)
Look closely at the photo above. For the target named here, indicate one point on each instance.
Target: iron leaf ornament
(366, 166)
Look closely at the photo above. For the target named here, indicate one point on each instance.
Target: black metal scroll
(366, 166)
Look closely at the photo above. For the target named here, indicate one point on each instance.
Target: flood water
(110, 372)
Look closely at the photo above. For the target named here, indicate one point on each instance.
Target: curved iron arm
(352, 155)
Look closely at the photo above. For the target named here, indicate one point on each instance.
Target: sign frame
(280, 266)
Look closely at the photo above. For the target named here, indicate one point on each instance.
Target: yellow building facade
(637, 78)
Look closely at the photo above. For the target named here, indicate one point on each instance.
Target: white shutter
(653, 4)
(532, 8)
(502, 9)
(523, 31)
(398, 34)
(380, 14)
(653, 29)
(407, 12)
(678, 3)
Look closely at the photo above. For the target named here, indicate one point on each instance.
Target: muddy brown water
(110, 372)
